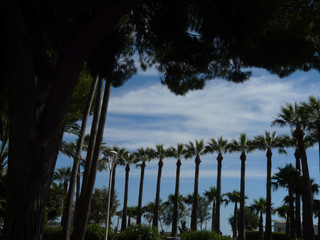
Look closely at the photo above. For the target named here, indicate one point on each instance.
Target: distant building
(280, 226)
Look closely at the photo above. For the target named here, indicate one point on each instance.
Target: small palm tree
(219, 146)
(212, 196)
(259, 206)
(195, 150)
(177, 153)
(243, 145)
(288, 177)
(283, 211)
(268, 142)
(295, 116)
(141, 157)
(234, 197)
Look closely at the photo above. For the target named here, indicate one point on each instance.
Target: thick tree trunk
(156, 204)
(217, 214)
(76, 164)
(125, 200)
(174, 230)
(268, 233)
(235, 224)
(195, 196)
(308, 231)
(143, 165)
(260, 237)
(213, 214)
(241, 235)
(83, 208)
(298, 198)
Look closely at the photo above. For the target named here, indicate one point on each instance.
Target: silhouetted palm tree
(259, 206)
(177, 153)
(219, 146)
(283, 211)
(295, 116)
(288, 177)
(268, 142)
(142, 156)
(195, 150)
(212, 196)
(159, 153)
(128, 160)
(243, 145)
(234, 197)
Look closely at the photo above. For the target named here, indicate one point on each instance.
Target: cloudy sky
(143, 113)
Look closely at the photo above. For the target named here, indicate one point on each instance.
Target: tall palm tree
(290, 141)
(212, 196)
(259, 206)
(288, 177)
(142, 156)
(159, 153)
(128, 160)
(219, 146)
(268, 142)
(295, 116)
(176, 152)
(195, 150)
(243, 145)
(234, 197)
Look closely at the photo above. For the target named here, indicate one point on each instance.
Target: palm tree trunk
(235, 224)
(268, 233)
(217, 214)
(298, 198)
(143, 165)
(112, 189)
(287, 228)
(125, 200)
(308, 231)
(195, 196)
(260, 237)
(85, 198)
(174, 230)
(76, 164)
(156, 204)
(213, 214)
(241, 235)
(291, 216)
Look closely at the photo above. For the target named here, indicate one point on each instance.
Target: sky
(143, 113)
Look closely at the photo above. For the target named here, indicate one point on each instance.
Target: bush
(94, 232)
(52, 233)
(139, 232)
(253, 235)
(203, 235)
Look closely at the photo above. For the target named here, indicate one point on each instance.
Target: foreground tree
(295, 117)
(268, 142)
(234, 197)
(212, 196)
(219, 146)
(195, 150)
(243, 145)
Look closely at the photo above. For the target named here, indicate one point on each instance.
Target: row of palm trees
(300, 117)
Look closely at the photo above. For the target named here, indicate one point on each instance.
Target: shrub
(203, 235)
(52, 233)
(139, 232)
(94, 232)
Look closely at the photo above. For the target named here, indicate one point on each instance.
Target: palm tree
(290, 141)
(243, 145)
(142, 156)
(234, 197)
(259, 205)
(295, 116)
(268, 142)
(288, 177)
(316, 209)
(212, 196)
(176, 153)
(283, 211)
(195, 149)
(128, 159)
(219, 146)
(159, 153)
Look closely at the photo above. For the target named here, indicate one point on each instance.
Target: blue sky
(143, 113)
